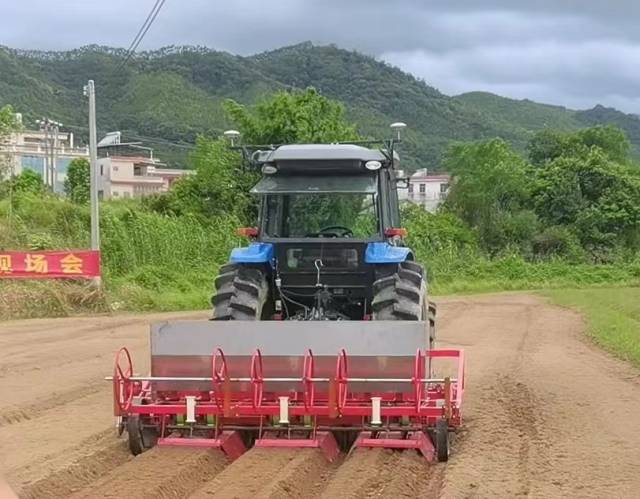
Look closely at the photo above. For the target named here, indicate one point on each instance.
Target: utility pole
(44, 126)
(50, 129)
(90, 92)
(54, 155)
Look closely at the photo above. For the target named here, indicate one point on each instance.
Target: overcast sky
(569, 52)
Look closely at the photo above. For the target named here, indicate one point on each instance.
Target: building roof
(173, 171)
(138, 180)
(430, 178)
(134, 159)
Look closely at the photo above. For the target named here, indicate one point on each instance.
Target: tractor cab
(328, 218)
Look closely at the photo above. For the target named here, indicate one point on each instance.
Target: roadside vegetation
(565, 215)
(612, 316)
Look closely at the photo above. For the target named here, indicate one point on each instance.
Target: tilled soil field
(546, 415)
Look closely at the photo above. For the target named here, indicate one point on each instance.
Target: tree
(218, 186)
(596, 197)
(490, 192)
(548, 145)
(8, 124)
(77, 183)
(300, 116)
(8, 121)
(221, 184)
(28, 182)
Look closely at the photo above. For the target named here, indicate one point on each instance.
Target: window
(101, 170)
(423, 188)
(115, 168)
(410, 188)
(116, 194)
(444, 187)
(126, 194)
(322, 215)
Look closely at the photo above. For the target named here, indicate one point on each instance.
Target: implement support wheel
(140, 438)
(442, 440)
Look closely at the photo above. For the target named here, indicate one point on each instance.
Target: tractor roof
(320, 152)
(345, 184)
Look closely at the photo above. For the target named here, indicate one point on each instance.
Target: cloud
(569, 52)
(560, 72)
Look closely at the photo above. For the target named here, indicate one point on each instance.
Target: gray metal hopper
(375, 349)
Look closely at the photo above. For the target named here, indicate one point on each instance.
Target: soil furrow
(160, 473)
(363, 474)
(251, 473)
(109, 454)
(412, 476)
(305, 476)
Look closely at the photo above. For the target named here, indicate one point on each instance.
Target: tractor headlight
(373, 165)
(269, 169)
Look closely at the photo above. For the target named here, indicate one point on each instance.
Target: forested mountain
(173, 94)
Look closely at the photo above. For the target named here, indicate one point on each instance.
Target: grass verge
(23, 299)
(612, 315)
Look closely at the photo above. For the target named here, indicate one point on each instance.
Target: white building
(134, 176)
(427, 190)
(28, 149)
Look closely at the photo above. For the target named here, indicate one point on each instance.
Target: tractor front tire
(241, 293)
(401, 294)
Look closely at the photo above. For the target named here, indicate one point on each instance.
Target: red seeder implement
(412, 412)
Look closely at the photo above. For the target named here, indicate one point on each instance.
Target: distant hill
(169, 96)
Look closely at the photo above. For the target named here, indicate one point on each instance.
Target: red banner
(49, 264)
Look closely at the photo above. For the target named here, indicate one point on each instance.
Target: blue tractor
(328, 244)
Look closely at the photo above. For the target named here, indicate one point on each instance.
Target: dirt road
(547, 415)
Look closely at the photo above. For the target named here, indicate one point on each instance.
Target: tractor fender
(254, 253)
(383, 252)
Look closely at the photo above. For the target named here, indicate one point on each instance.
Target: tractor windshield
(322, 215)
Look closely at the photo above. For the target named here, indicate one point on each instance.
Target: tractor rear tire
(241, 293)
(401, 295)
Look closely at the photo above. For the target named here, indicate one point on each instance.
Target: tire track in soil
(108, 454)
(27, 412)
(159, 473)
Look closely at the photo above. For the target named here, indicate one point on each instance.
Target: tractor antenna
(397, 127)
(232, 136)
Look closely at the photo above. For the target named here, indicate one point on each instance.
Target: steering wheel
(328, 231)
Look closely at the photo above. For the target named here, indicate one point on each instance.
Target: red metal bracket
(418, 376)
(342, 378)
(417, 440)
(307, 380)
(323, 440)
(229, 441)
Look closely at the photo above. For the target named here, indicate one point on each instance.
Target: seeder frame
(396, 419)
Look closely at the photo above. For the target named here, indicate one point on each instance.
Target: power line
(146, 21)
(146, 138)
(151, 17)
